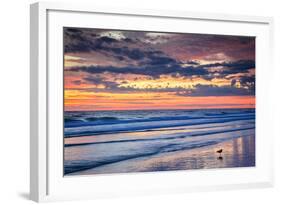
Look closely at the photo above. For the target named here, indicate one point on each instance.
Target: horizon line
(159, 109)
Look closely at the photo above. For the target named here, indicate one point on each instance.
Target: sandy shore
(237, 152)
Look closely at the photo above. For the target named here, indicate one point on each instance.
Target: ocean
(103, 142)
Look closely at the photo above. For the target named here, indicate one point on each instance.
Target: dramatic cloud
(162, 65)
(213, 90)
(141, 67)
(149, 70)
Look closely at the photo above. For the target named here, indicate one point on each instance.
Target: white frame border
(39, 88)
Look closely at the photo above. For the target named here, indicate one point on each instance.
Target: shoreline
(237, 152)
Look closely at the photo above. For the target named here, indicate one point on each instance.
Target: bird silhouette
(219, 151)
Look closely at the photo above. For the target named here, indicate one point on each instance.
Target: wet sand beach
(237, 152)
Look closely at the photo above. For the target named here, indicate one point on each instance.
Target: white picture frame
(46, 179)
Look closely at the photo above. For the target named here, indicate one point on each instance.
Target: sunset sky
(135, 70)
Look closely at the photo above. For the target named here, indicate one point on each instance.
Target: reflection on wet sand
(237, 152)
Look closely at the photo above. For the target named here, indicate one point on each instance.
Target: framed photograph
(127, 102)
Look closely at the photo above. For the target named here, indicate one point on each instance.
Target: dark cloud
(233, 82)
(249, 82)
(83, 46)
(73, 30)
(96, 80)
(81, 41)
(84, 40)
(128, 40)
(150, 70)
(240, 66)
(246, 80)
(160, 60)
(212, 90)
(164, 65)
(106, 39)
(226, 68)
(134, 54)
